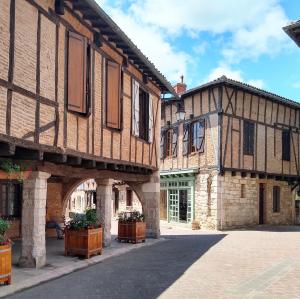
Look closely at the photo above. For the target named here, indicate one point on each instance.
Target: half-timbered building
(78, 100)
(233, 161)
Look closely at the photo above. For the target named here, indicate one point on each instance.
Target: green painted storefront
(178, 195)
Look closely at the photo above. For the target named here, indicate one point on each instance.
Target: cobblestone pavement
(259, 263)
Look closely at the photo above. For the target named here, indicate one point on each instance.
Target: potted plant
(13, 171)
(131, 227)
(5, 253)
(83, 235)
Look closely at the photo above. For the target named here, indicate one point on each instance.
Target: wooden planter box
(132, 231)
(5, 264)
(14, 175)
(85, 242)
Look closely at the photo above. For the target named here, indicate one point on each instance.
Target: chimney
(180, 87)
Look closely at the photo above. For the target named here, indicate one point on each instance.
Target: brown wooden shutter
(77, 51)
(113, 99)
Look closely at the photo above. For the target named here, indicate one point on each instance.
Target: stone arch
(68, 189)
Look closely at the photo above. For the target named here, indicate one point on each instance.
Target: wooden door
(261, 203)
(163, 204)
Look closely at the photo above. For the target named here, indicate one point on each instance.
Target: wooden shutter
(201, 136)
(135, 107)
(286, 145)
(186, 131)
(150, 134)
(174, 142)
(162, 144)
(113, 99)
(77, 51)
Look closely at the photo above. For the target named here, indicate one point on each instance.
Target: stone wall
(238, 208)
(206, 199)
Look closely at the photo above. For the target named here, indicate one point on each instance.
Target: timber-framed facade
(236, 147)
(78, 101)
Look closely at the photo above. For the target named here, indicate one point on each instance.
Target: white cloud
(201, 48)
(153, 43)
(224, 70)
(296, 84)
(254, 26)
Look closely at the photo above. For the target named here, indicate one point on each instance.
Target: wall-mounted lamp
(180, 113)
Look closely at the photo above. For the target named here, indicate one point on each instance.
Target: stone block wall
(206, 199)
(237, 208)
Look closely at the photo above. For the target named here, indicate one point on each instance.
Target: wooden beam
(55, 158)
(88, 163)
(22, 153)
(74, 161)
(7, 149)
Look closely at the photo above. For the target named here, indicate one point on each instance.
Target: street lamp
(180, 113)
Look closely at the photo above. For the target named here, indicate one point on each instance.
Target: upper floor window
(276, 199)
(10, 199)
(286, 145)
(193, 137)
(142, 113)
(79, 54)
(113, 96)
(248, 138)
(168, 143)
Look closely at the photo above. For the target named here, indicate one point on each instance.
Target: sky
(205, 39)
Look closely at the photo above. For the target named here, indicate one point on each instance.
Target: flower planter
(5, 264)
(84, 242)
(131, 231)
(14, 175)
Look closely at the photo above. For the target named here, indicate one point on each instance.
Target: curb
(59, 272)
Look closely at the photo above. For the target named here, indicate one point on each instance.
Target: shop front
(177, 196)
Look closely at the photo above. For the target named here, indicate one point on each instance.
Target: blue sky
(205, 39)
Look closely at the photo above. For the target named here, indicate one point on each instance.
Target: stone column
(149, 194)
(33, 220)
(104, 198)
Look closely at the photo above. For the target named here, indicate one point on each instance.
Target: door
(173, 205)
(116, 208)
(183, 205)
(261, 203)
(163, 204)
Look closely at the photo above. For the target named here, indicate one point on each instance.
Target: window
(169, 137)
(286, 145)
(10, 199)
(142, 113)
(197, 136)
(129, 198)
(113, 97)
(79, 54)
(174, 142)
(248, 138)
(276, 199)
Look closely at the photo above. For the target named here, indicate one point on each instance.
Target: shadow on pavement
(142, 273)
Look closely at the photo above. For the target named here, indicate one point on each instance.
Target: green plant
(84, 221)
(10, 167)
(4, 226)
(134, 216)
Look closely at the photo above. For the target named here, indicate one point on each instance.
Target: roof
(92, 12)
(245, 87)
(293, 30)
